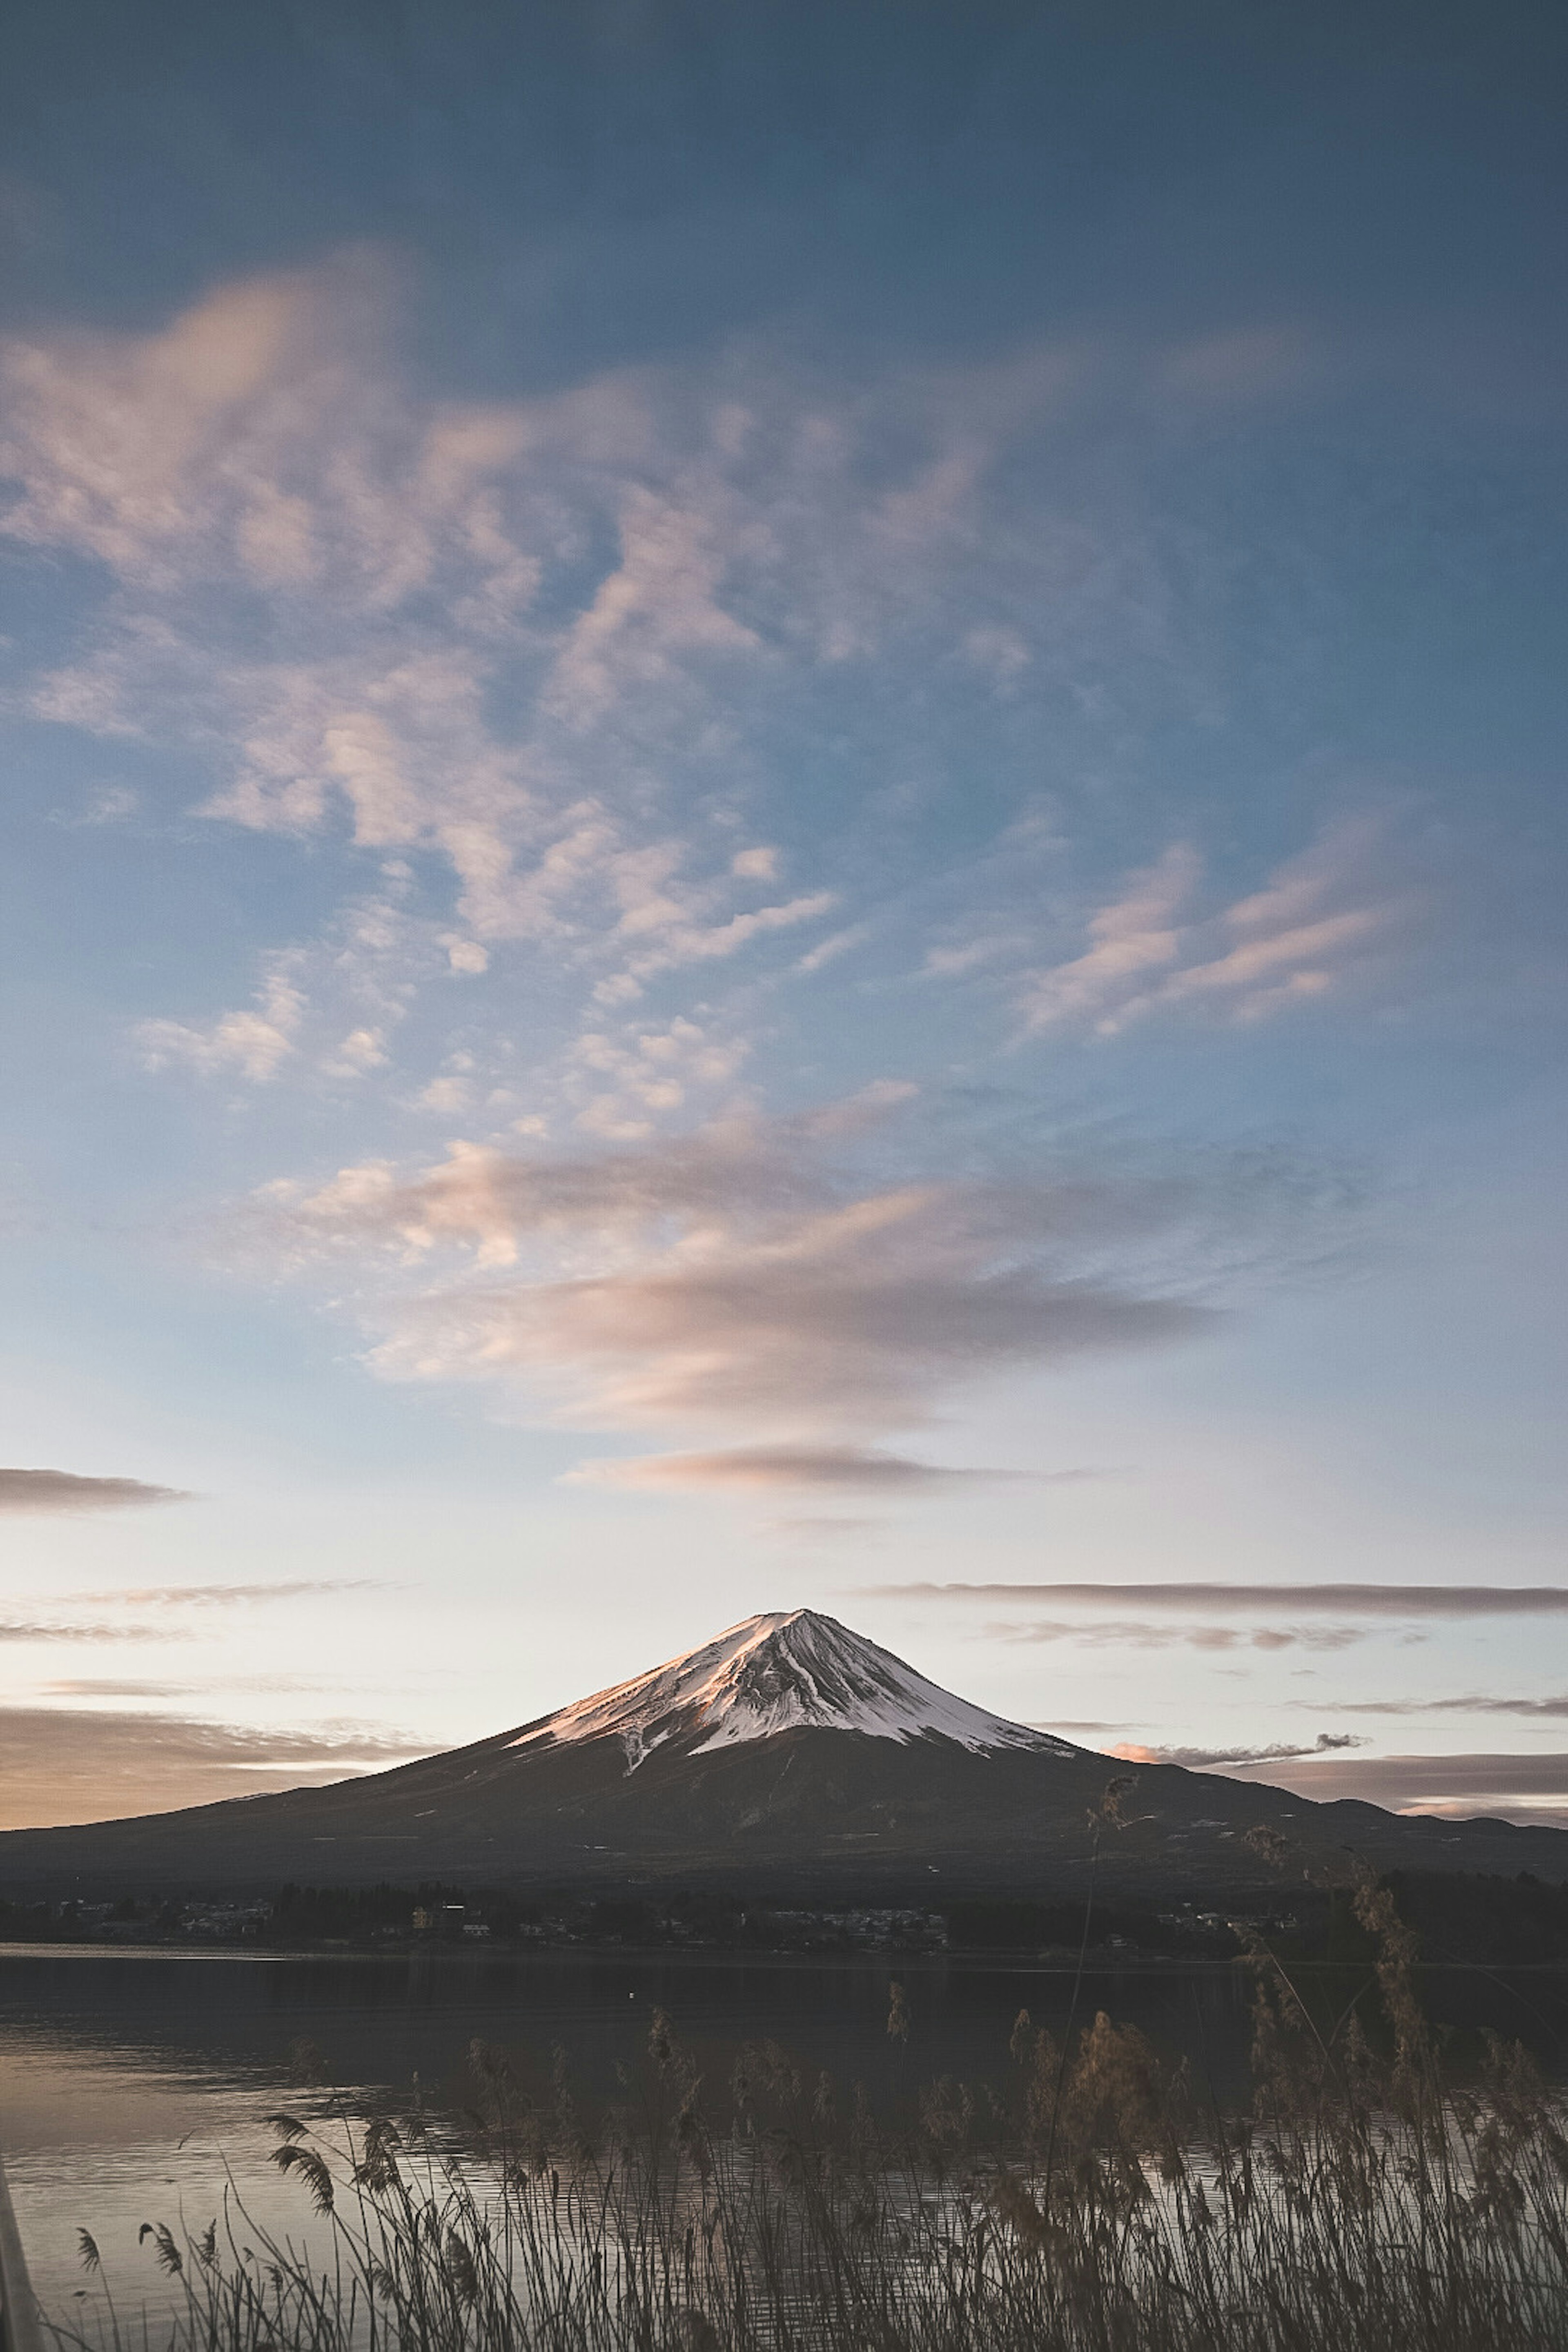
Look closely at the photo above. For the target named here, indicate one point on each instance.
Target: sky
(784, 827)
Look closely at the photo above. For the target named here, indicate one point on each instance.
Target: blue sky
(785, 826)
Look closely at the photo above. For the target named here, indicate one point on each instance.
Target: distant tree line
(1461, 1917)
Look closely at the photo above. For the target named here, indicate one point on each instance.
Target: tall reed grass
(1093, 2199)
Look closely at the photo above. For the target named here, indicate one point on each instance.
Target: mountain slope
(791, 1671)
(789, 1756)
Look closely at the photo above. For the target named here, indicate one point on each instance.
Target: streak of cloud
(221, 1596)
(1132, 1633)
(865, 1467)
(39, 1629)
(1342, 1600)
(67, 1490)
(130, 1686)
(1550, 1709)
(1197, 1759)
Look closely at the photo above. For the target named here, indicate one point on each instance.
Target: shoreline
(644, 1955)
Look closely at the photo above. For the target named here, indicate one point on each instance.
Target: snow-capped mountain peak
(793, 1668)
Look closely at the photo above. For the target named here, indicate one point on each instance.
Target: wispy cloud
(1130, 1633)
(110, 804)
(135, 1686)
(63, 1764)
(629, 551)
(867, 1468)
(1341, 1599)
(45, 1628)
(1137, 934)
(1327, 1743)
(551, 649)
(1241, 363)
(254, 1043)
(529, 670)
(220, 1596)
(1317, 921)
(536, 663)
(621, 1085)
(761, 1274)
(68, 1490)
(1552, 1710)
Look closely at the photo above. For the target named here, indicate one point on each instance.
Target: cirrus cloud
(1318, 921)
(619, 559)
(542, 660)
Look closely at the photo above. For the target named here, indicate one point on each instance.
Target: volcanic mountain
(790, 1757)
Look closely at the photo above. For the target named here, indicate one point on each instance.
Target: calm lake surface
(133, 2084)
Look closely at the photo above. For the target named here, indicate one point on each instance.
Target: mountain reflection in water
(133, 2085)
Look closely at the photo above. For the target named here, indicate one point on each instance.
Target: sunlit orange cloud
(60, 1764)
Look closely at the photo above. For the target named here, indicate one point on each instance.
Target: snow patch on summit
(776, 1673)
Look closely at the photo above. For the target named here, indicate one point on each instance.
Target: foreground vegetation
(1091, 2200)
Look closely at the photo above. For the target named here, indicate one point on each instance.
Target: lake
(133, 2084)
